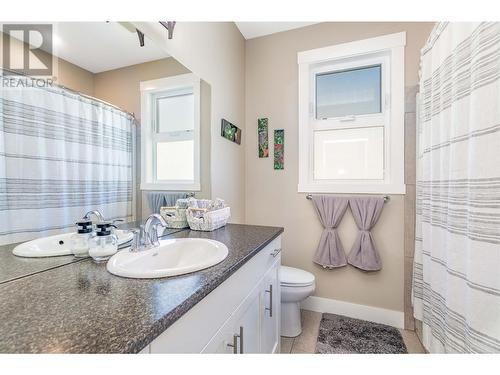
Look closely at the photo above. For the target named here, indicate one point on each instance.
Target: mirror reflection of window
(171, 133)
(175, 111)
(174, 115)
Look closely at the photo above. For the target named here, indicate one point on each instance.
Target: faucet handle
(135, 245)
(153, 235)
(117, 221)
(143, 237)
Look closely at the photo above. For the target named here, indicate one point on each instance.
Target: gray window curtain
(366, 212)
(156, 200)
(330, 210)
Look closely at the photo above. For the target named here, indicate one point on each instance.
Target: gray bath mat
(339, 334)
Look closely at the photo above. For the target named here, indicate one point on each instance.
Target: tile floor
(306, 342)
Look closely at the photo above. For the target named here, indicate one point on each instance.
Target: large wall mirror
(122, 127)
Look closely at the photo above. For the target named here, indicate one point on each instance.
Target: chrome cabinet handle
(270, 308)
(276, 252)
(234, 345)
(241, 339)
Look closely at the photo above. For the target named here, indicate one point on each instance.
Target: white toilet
(296, 286)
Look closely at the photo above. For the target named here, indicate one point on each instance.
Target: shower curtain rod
(76, 93)
(386, 197)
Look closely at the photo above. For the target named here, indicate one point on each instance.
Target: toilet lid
(295, 277)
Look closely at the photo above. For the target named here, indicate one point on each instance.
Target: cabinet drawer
(268, 256)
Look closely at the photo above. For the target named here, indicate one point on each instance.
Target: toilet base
(291, 325)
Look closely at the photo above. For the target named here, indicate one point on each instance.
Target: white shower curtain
(456, 281)
(61, 155)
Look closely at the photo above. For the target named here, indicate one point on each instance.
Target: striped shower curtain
(61, 155)
(456, 281)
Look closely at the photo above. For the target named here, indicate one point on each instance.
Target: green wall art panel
(263, 136)
(279, 149)
(230, 131)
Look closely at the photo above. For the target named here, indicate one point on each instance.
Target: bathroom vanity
(239, 316)
(79, 307)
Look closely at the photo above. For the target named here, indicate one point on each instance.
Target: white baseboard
(352, 310)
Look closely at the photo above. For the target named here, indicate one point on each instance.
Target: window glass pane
(175, 160)
(175, 113)
(348, 92)
(349, 154)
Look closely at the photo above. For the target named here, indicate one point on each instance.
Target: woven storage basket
(176, 216)
(207, 215)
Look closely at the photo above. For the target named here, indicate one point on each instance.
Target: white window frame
(387, 51)
(149, 136)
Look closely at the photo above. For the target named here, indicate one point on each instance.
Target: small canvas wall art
(262, 132)
(230, 131)
(279, 149)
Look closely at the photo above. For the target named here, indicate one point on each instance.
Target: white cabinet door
(225, 341)
(270, 311)
(249, 328)
(240, 333)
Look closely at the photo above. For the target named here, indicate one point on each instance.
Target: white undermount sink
(58, 245)
(173, 257)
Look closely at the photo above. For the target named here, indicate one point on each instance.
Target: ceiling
(100, 46)
(251, 30)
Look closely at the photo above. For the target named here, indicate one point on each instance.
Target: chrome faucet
(100, 217)
(151, 229)
(96, 213)
(147, 236)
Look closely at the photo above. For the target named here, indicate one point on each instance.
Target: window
(170, 144)
(349, 92)
(351, 117)
(349, 154)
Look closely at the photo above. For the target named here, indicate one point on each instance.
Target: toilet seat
(294, 277)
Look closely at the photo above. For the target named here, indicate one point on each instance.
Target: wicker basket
(175, 216)
(207, 215)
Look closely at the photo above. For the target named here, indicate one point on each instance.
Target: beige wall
(215, 51)
(271, 196)
(65, 73)
(122, 88)
(74, 77)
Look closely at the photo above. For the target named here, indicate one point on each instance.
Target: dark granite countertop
(82, 308)
(13, 267)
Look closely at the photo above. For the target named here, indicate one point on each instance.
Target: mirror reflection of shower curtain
(61, 155)
(456, 278)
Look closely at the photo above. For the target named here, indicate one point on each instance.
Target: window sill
(170, 187)
(349, 188)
